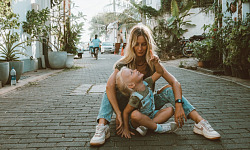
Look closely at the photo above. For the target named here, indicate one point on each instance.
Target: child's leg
(163, 115)
(139, 119)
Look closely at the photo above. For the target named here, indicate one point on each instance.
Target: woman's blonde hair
(121, 85)
(130, 56)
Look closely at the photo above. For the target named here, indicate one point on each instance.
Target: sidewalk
(28, 78)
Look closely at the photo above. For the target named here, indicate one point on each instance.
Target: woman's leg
(104, 117)
(195, 116)
(105, 111)
(202, 127)
(166, 95)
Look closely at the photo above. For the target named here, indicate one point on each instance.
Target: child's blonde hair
(121, 85)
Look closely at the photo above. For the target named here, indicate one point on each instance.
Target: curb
(8, 88)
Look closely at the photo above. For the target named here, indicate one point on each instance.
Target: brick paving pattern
(60, 112)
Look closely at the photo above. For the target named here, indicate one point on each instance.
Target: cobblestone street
(60, 111)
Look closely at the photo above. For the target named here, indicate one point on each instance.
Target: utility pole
(143, 16)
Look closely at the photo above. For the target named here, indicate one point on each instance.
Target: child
(130, 82)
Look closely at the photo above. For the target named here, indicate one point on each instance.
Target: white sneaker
(142, 130)
(168, 127)
(101, 134)
(205, 129)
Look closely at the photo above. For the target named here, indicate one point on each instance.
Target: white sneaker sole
(100, 143)
(198, 131)
(141, 132)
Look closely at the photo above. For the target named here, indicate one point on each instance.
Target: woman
(137, 56)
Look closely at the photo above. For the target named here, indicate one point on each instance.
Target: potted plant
(201, 52)
(11, 46)
(72, 38)
(52, 28)
(44, 27)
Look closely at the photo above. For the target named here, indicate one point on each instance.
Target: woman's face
(140, 47)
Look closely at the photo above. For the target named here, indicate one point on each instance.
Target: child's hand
(126, 133)
(154, 58)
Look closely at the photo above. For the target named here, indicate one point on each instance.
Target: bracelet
(179, 101)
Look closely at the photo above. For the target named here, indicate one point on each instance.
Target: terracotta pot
(200, 64)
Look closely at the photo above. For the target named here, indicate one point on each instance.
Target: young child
(141, 102)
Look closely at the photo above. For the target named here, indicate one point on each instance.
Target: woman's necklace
(141, 64)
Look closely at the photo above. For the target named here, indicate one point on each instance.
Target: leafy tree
(168, 32)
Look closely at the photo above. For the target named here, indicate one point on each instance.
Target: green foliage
(202, 49)
(168, 32)
(238, 44)
(10, 46)
(67, 32)
(37, 26)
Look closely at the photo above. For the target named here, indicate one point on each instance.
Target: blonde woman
(137, 56)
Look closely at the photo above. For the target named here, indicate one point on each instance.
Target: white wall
(199, 19)
(21, 7)
(245, 9)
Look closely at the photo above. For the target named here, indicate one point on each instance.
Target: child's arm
(158, 68)
(126, 133)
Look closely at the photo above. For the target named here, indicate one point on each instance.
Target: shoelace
(98, 131)
(166, 127)
(208, 126)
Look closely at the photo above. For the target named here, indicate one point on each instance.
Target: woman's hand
(127, 134)
(154, 58)
(179, 115)
(119, 124)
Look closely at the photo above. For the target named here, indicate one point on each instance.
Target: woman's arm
(111, 93)
(158, 68)
(176, 86)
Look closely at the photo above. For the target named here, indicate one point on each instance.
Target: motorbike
(94, 52)
(186, 50)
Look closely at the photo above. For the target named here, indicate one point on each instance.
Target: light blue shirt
(96, 42)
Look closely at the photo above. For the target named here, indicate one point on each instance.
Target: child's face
(131, 76)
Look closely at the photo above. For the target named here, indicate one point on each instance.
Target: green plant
(11, 46)
(72, 34)
(169, 32)
(238, 44)
(38, 27)
(66, 29)
(182, 64)
(201, 49)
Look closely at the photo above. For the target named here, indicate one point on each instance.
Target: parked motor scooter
(186, 50)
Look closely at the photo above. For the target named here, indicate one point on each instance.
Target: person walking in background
(96, 42)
